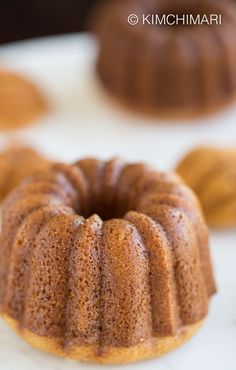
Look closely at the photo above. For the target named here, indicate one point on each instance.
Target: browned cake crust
(211, 173)
(16, 163)
(128, 280)
(21, 102)
(171, 72)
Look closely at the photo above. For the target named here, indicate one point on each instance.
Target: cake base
(151, 348)
(181, 114)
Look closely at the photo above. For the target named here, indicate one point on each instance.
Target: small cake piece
(171, 71)
(105, 262)
(16, 163)
(21, 102)
(211, 173)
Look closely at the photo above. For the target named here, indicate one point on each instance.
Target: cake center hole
(108, 206)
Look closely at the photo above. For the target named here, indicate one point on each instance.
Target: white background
(85, 121)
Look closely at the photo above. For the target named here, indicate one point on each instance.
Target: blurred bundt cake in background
(211, 173)
(21, 102)
(174, 71)
(104, 261)
(16, 163)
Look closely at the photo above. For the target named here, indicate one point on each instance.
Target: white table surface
(85, 121)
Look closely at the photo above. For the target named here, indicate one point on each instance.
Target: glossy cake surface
(104, 261)
(173, 71)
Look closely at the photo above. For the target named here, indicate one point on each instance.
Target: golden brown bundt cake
(16, 163)
(169, 70)
(104, 261)
(211, 173)
(20, 101)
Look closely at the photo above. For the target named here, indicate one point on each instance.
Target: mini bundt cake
(104, 261)
(21, 102)
(173, 71)
(16, 163)
(211, 173)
